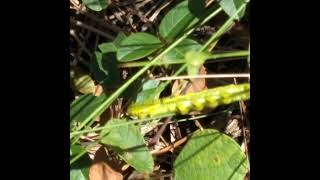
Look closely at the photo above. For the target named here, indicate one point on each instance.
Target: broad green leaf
(112, 46)
(117, 41)
(107, 47)
(96, 5)
(211, 155)
(79, 170)
(179, 52)
(231, 6)
(105, 69)
(195, 60)
(75, 149)
(128, 142)
(150, 91)
(137, 46)
(150, 84)
(104, 66)
(78, 174)
(176, 21)
(84, 105)
(147, 95)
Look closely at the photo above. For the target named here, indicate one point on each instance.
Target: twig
(170, 147)
(164, 141)
(139, 5)
(76, 5)
(118, 14)
(135, 10)
(197, 123)
(162, 176)
(82, 46)
(209, 2)
(245, 75)
(155, 139)
(155, 14)
(153, 7)
(96, 43)
(102, 22)
(87, 64)
(90, 28)
(242, 112)
(125, 3)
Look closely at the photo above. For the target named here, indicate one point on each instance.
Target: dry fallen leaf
(102, 169)
(233, 128)
(184, 86)
(178, 86)
(199, 83)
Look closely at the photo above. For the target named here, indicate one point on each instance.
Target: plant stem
(117, 125)
(242, 75)
(233, 54)
(141, 121)
(82, 152)
(77, 156)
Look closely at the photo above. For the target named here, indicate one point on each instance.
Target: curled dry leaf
(103, 168)
(102, 171)
(178, 86)
(198, 84)
(184, 86)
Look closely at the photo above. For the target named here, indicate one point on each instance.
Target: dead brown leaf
(178, 86)
(102, 171)
(199, 83)
(101, 155)
(185, 86)
(103, 168)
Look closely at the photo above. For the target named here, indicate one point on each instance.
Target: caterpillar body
(183, 104)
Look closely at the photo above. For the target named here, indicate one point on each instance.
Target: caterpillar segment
(183, 104)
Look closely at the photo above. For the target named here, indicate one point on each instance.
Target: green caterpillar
(183, 104)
